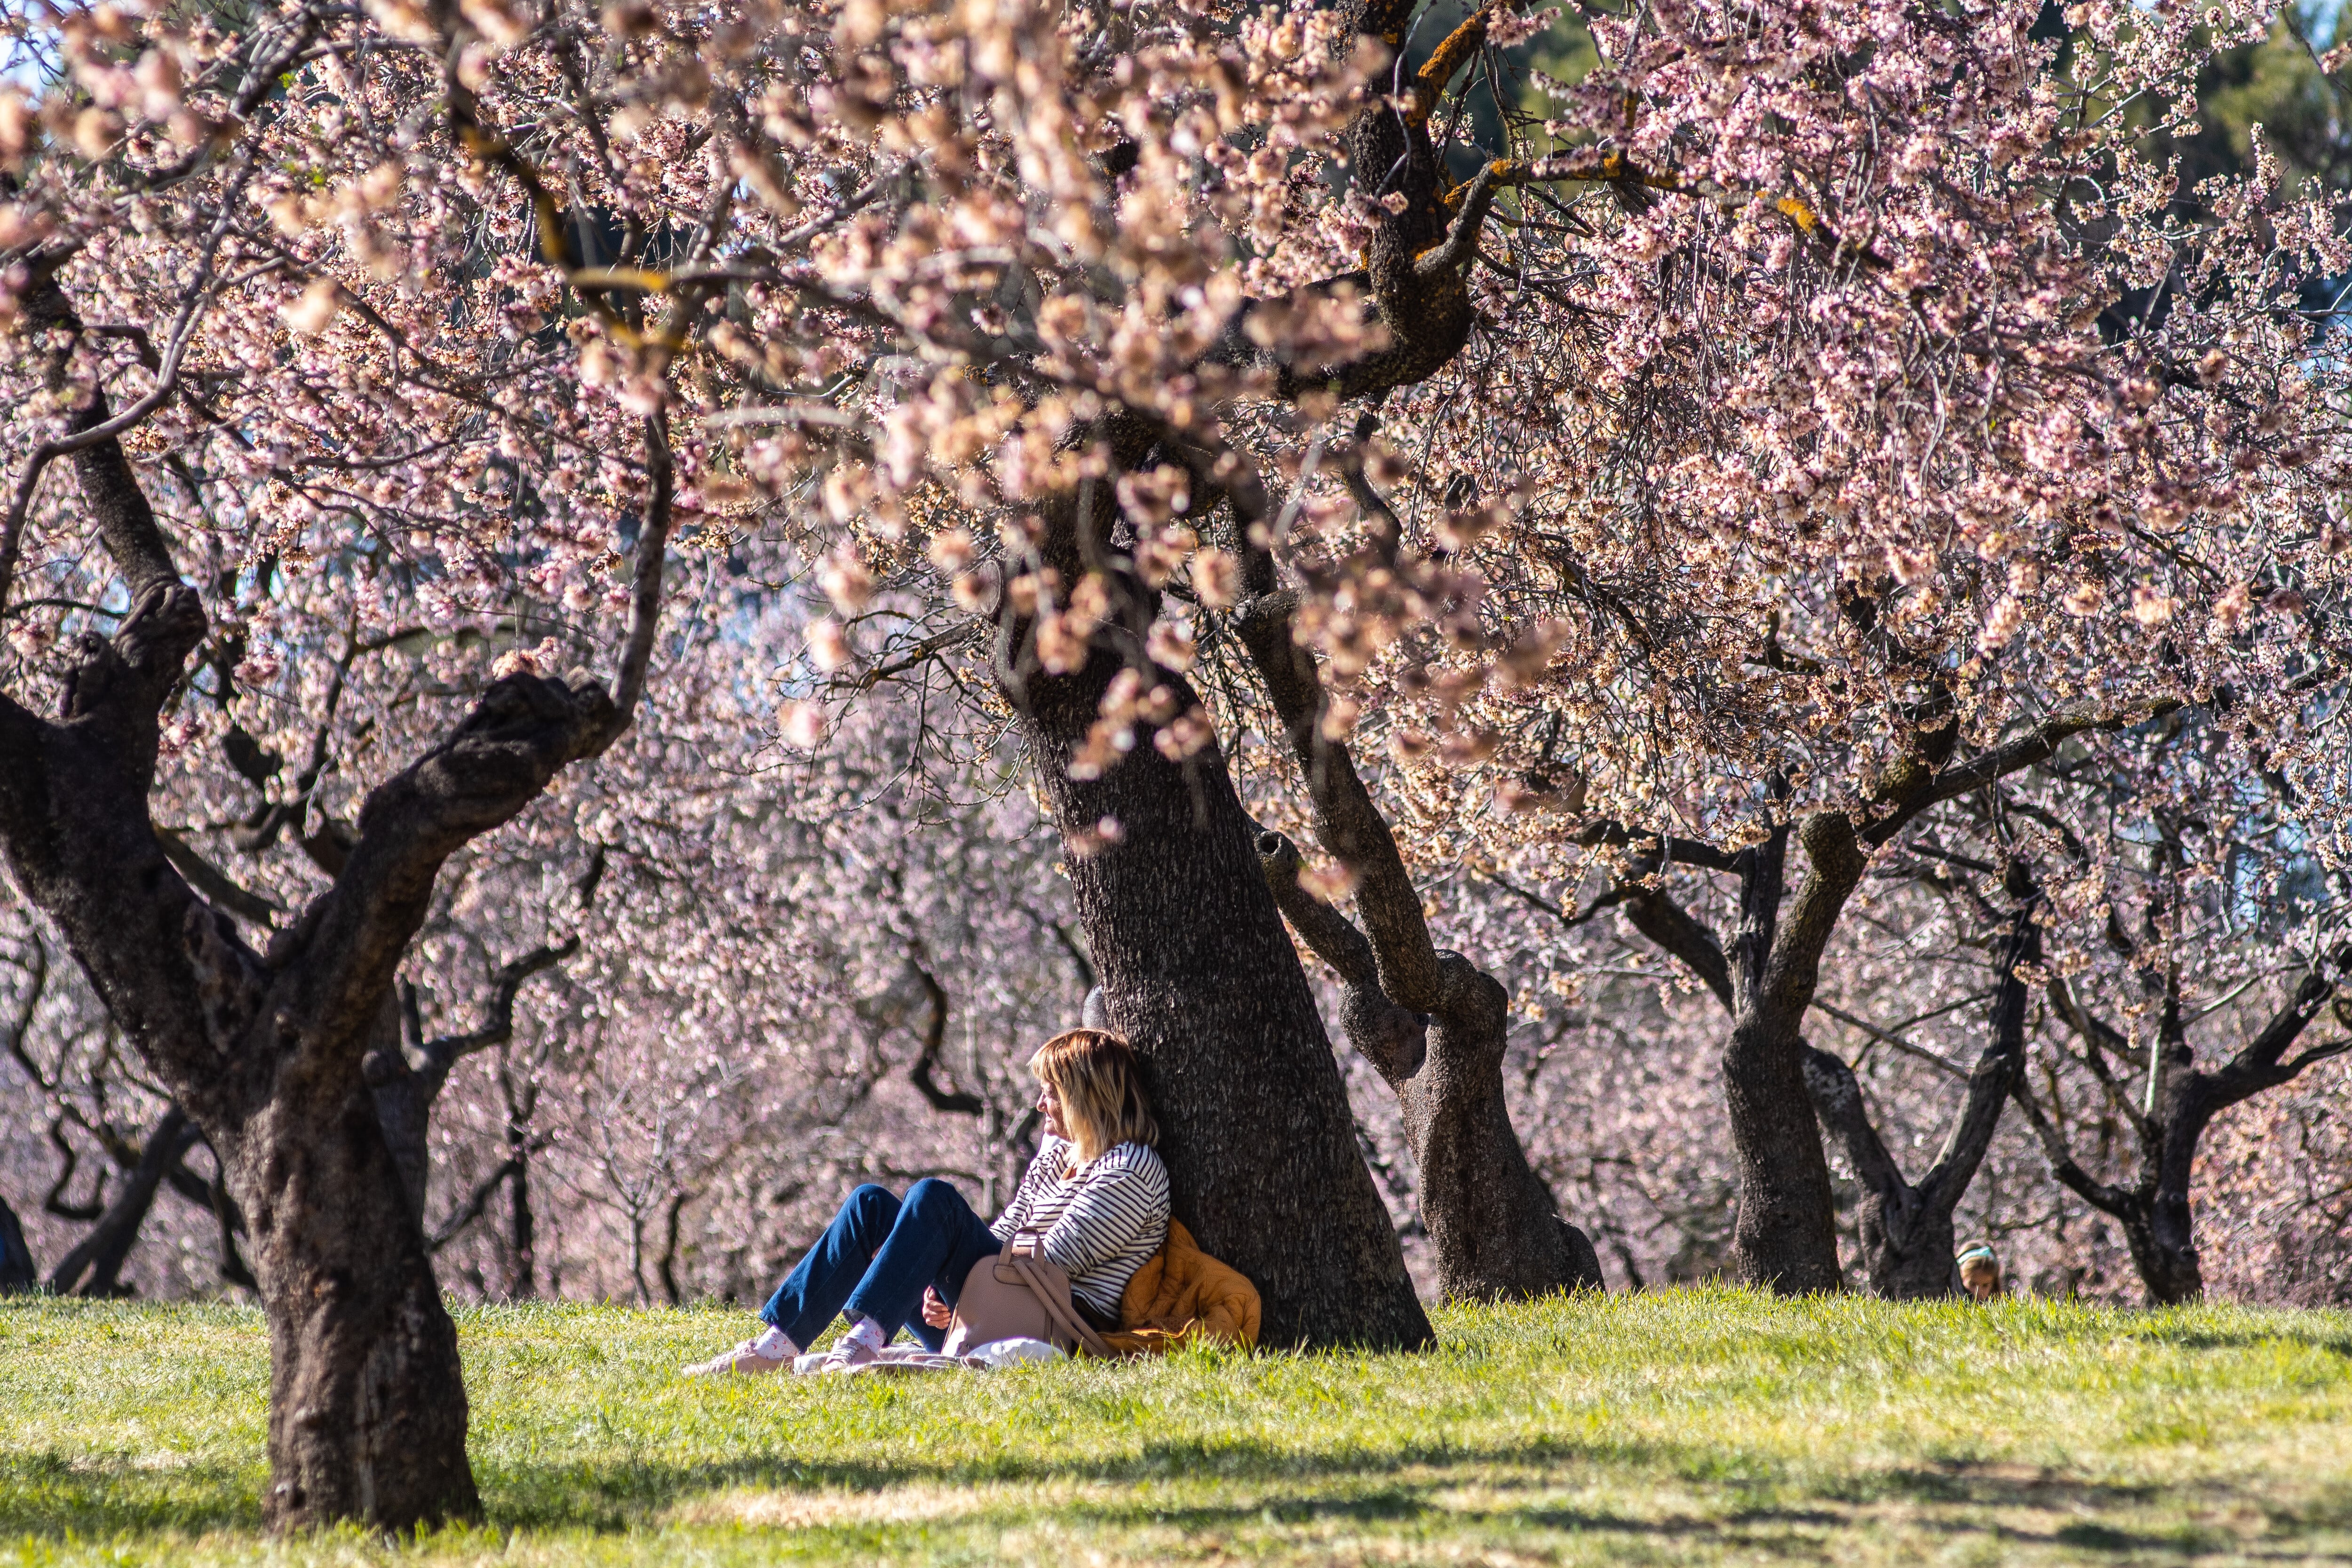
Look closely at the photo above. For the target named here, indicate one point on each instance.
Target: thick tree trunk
(1921, 1267)
(1906, 1232)
(2162, 1233)
(2167, 1262)
(666, 1265)
(368, 1416)
(1784, 1234)
(367, 1410)
(1198, 972)
(1494, 1225)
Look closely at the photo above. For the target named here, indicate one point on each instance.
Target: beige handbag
(1019, 1294)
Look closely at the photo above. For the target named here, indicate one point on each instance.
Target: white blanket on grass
(993, 1357)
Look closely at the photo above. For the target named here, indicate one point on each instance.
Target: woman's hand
(936, 1312)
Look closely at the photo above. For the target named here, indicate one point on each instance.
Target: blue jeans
(875, 1258)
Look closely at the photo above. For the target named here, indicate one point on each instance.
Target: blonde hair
(1101, 1082)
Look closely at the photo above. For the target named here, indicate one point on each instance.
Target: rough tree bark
(18, 1272)
(1784, 1232)
(1197, 971)
(1907, 1241)
(263, 1050)
(2153, 1210)
(1493, 1223)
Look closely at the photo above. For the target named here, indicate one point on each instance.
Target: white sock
(866, 1331)
(773, 1344)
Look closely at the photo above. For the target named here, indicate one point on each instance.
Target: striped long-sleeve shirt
(1101, 1221)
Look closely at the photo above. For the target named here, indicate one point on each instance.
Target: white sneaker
(743, 1359)
(845, 1355)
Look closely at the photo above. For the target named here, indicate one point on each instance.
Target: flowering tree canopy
(1794, 421)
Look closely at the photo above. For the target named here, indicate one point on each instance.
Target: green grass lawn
(1688, 1426)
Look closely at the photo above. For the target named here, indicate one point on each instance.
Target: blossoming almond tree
(1874, 425)
(264, 1048)
(2208, 888)
(142, 228)
(1493, 1223)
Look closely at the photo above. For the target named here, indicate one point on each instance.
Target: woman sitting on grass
(1096, 1191)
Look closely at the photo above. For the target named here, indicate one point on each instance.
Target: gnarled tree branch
(1394, 1040)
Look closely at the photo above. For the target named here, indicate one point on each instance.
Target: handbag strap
(1057, 1307)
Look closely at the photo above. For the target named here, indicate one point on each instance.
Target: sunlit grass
(1688, 1426)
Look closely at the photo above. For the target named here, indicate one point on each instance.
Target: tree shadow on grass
(1760, 1508)
(49, 1494)
(2024, 1489)
(1969, 1483)
(1997, 1509)
(2334, 1338)
(1405, 1503)
(616, 1494)
(1794, 1533)
(2016, 1488)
